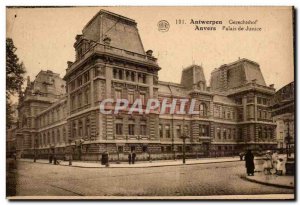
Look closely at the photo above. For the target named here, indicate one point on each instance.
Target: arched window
(259, 133)
(64, 135)
(53, 137)
(87, 127)
(203, 109)
(74, 129)
(80, 128)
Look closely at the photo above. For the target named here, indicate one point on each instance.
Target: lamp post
(70, 152)
(34, 150)
(288, 139)
(183, 137)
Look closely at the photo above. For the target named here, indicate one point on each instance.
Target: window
(73, 102)
(79, 100)
(218, 133)
(86, 96)
(73, 85)
(240, 133)
(58, 136)
(224, 134)
(79, 81)
(168, 133)
(264, 101)
(145, 148)
(259, 100)
(233, 115)
(132, 76)
(229, 133)
(186, 129)
(86, 77)
(120, 149)
(203, 109)
(142, 97)
(121, 74)
(143, 129)
(115, 73)
(131, 129)
(64, 135)
(118, 94)
(131, 98)
(127, 75)
(178, 131)
(233, 133)
(119, 129)
(97, 71)
(87, 127)
(228, 115)
(204, 130)
(223, 113)
(80, 128)
(53, 137)
(281, 136)
(160, 131)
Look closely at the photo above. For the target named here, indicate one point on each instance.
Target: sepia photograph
(150, 103)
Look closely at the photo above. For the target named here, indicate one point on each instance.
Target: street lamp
(183, 137)
(34, 149)
(70, 152)
(288, 139)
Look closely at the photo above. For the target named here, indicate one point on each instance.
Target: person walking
(249, 158)
(129, 158)
(133, 157)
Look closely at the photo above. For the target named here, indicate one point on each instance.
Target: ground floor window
(120, 149)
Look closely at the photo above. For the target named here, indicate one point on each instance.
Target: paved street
(190, 180)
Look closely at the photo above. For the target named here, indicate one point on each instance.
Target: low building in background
(283, 112)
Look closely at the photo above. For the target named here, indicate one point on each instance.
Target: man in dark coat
(249, 158)
(133, 157)
(129, 158)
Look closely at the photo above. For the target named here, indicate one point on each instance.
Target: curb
(267, 183)
(168, 165)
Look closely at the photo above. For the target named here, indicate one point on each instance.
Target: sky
(44, 38)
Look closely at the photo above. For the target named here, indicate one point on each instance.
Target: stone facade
(111, 62)
(283, 112)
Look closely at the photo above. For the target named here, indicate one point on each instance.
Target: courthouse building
(62, 116)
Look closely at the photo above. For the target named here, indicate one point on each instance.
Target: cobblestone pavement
(192, 180)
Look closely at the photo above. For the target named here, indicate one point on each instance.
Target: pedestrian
(279, 166)
(50, 158)
(274, 159)
(129, 158)
(268, 163)
(133, 157)
(249, 158)
(107, 159)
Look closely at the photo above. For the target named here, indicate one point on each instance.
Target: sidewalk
(142, 164)
(272, 180)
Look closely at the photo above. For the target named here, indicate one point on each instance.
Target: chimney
(149, 52)
(69, 63)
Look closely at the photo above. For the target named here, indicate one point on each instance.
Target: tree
(15, 71)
